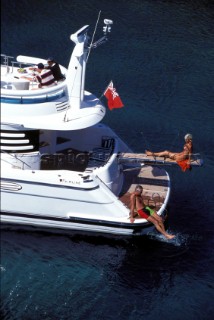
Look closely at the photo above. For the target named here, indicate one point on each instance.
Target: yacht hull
(81, 225)
(41, 205)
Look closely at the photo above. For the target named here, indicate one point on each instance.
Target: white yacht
(61, 167)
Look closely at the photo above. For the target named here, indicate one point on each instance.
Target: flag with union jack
(113, 98)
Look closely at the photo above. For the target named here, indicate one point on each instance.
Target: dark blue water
(160, 57)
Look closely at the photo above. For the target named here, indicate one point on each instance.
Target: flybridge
(66, 106)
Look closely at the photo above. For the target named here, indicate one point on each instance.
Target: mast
(76, 69)
(77, 66)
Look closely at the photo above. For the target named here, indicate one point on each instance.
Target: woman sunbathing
(185, 154)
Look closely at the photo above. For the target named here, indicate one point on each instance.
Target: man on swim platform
(146, 212)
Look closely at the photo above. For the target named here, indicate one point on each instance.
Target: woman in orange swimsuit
(185, 154)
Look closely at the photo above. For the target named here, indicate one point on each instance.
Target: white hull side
(61, 207)
(6, 220)
(62, 201)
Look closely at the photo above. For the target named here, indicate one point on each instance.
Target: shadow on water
(153, 247)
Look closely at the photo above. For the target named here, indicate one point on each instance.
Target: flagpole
(105, 90)
(102, 93)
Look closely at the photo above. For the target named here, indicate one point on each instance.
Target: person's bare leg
(158, 154)
(158, 218)
(161, 229)
(160, 221)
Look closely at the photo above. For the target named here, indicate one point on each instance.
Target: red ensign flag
(113, 98)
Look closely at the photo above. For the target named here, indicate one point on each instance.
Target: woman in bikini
(146, 212)
(185, 154)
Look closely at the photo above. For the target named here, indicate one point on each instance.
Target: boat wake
(179, 240)
(2, 269)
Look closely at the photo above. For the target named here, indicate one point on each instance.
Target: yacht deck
(154, 181)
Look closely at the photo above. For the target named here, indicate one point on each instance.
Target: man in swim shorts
(146, 212)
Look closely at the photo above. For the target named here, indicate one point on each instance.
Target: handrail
(14, 156)
(6, 59)
(24, 98)
(31, 93)
(153, 198)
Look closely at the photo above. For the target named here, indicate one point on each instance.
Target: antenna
(106, 30)
(107, 27)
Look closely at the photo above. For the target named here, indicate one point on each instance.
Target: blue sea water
(160, 56)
